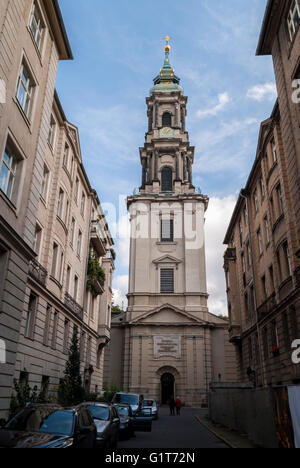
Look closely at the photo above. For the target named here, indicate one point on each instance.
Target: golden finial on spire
(167, 47)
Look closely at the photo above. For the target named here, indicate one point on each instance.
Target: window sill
(9, 203)
(55, 281)
(166, 243)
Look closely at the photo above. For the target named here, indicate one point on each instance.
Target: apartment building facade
(51, 220)
(262, 263)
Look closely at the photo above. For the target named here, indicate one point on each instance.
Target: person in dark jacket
(172, 405)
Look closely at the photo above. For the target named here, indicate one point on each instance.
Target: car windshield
(126, 399)
(123, 411)
(148, 403)
(99, 412)
(43, 420)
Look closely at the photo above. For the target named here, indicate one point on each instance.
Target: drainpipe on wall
(245, 197)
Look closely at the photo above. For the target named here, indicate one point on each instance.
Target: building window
(82, 208)
(249, 256)
(167, 120)
(272, 282)
(274, 151)
(76, 190)
(66, 156)
(167, 281)
(167, 179)
(89, 350)
(260, 242)
(75, 287)
(30, 318)
(262, 188)
(45, 386)
(25, 88)
(82, 346)
(38, 240)
(72, 231)
(36, 26)
(294, 322)
(293, 18)
(47, 325)
(243, 263)
(264, 287)
(8, 172)
(274, 335)
(241, 232)
(66, 336)
(267, 230)
(287, 259)
(61, 268)
(255, 199)
(279, 264)
(280, 200)
(246, 216)
(54, 259)
(45, 183)
(60, 204)
(167, 230)
(54, 332)
(51, 134)
(79, 243)
(68, 279)
(266, 342)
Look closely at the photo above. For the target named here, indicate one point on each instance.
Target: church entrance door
(167, 387)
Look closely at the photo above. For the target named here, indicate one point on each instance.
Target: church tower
(172, 345)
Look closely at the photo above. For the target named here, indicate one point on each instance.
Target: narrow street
(175, 432)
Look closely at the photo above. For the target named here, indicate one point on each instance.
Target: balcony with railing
(98, 238)
(73, 306)
(38, 272)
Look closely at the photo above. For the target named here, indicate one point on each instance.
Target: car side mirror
(2, 423)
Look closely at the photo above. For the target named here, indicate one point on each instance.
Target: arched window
(166, 120)
(166, 180)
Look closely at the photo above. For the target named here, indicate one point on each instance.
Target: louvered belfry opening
(167, 180)
(167, 280)
(167, 230)
(167, 120)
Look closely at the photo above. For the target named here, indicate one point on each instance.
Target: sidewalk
(231, 438)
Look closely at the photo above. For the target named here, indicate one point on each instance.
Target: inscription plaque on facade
(167, 345)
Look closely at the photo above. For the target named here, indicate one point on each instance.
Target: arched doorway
(167, 387)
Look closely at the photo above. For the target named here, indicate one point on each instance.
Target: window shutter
(167, 281)
(167, 230)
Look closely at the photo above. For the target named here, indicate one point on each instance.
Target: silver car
(107, 422)
(132, 399)
(151, 404)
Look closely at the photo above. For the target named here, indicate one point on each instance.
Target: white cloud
(223, 99)
(120, 289)
(263, 92)
(217, 220)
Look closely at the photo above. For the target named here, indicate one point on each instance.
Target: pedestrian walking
(172, 405)
(178, 404)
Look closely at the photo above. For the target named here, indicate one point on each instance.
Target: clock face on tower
(166, 132)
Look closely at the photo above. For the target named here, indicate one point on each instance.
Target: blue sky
(118, 50)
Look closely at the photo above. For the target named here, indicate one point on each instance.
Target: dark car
(130, 422)
(49, 426)
(107, 421)
(126, 420)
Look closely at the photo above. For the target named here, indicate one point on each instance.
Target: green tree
(71, 391)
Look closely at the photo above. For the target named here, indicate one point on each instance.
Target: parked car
(140, 422)
(107, 421)
(49, 426)
(126, 420)
(133, 399)
(149, 403)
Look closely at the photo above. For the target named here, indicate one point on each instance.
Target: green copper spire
(166, 81)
